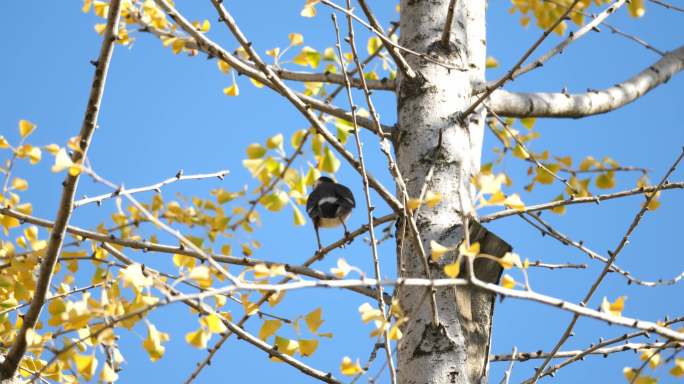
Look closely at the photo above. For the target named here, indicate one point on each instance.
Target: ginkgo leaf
(514, 202)
(314, 319)
(330, 163)
(491, 62)
(374, 44)
(510, 260)
(368, 313)
(86, 365)
(62, 161)
(307, 347)
(133, 276)
(184, 261)
(198, 339)
(350, 368)
(343, 268)
(395, 333)
(3, 142)
(678, 369)
(298, 217)
(605, 180)
(437, 250)
(108, 374)
(295, 38)
(255, 151)
(201, 275)
(615, 308)
(630, 374)
(507, 281)
(223, 66)
(233, 90)
(286, 346)
(413, 203)
(309, 9)
(26, 128)
(308, 57)
(269, 328)
(213, 323)
(652, 356)
(471, 251)
(19, 184)
(432, 199)
(452, 270)
(275, 141)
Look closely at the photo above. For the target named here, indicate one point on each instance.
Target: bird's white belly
(332, 222)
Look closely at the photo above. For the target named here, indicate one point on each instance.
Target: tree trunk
(455, 349)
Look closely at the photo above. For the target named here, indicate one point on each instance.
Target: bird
(329, 205)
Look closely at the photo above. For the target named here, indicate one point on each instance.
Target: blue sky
(162, 113)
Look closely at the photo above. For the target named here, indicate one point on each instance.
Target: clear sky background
(162, 113)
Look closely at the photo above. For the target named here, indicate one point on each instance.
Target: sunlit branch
(510, 73)
(153, 187)
(613, 255)
(65, 207)
(366, 189)
(511, 104)
(597, 199)
(667, 5)
(525, 356)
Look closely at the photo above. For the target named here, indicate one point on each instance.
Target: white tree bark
(454, 350)
(512, 104)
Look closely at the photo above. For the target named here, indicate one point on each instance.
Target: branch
(525, 356)
(580, 200)
(446, 33)
(154, 187)
(47, 267)
(593, 102)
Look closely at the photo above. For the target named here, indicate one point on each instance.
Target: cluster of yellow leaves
(489, 184)
(432, 199)
(615, 308)
(209, 325)
(546, 13)
(381, 323)
(305, 347)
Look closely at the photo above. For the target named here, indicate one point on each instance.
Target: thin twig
(446, 32)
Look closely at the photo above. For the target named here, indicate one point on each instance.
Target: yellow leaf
(86, 6)
(615, 308)
(510, 260)
(296, 38)
(514, 202)
(233, 90)
(197, 339)
(213, 323)
(275, 141)
(630, 373)
(471, 251)
(269, 328)
(51, 148)
(507, 281)
(452, 270)
(437, 250)
(286, 346)
(275, 201)
(308, 56)
(374, 44)
(432, 199)
(560, 209)
(330, 163)
(62, 161)
(108, 374)
(201, 275)
(413, 203)
(368, 313)
(223, 66)
(395, 333)
(26, 128)
(184, 261)
(652, 357)
(273, 52)
(349, 368)
(678, 369)
(343, 268)
(314, 319)
(85, 365)
(34, 155)
(545, 176)
(491, 62)
(3, 142)
(307, 347)
(309, 10)
(299, 218)
(19, 184)
(636, 8)
(256, 83)
(133, 276)
(255, 151)
(606, 180)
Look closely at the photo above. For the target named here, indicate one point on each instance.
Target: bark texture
(455, 349)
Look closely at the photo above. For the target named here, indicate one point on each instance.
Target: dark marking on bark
(434, 340)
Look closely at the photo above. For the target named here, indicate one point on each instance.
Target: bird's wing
(311, 203)
(346, 195)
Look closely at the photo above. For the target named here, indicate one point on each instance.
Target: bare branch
(667, 5)
(613, 255)
(153, 187)
(597, 199)
(47, 267)
(593, 102)
(510, 73)
(525, 356)
(446, 33)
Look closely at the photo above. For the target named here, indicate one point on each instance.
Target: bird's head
(323, 180)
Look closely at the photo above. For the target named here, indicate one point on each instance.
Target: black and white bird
(329, 205)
